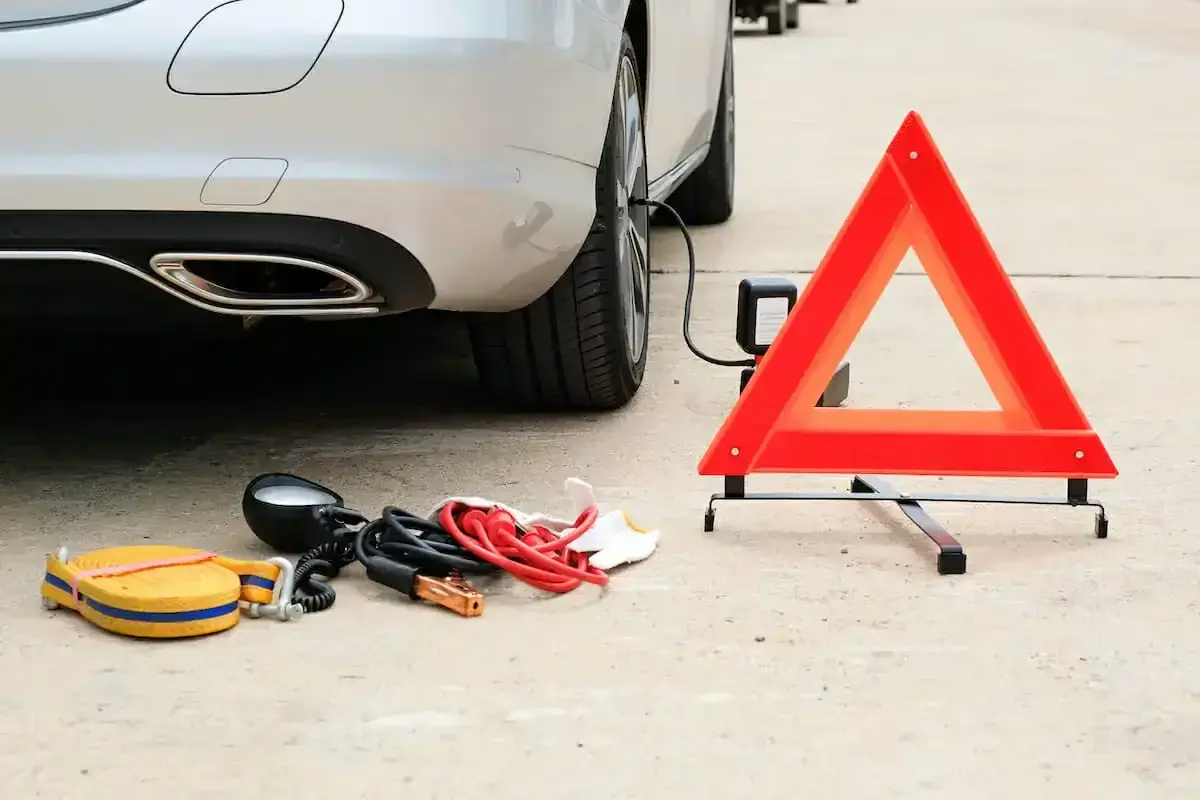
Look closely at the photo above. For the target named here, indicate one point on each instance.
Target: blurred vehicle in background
(780, 14)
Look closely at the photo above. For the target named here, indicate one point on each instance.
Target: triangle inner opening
(910, 354)
(912, 251)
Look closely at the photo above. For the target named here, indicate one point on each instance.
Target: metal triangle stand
(951, 558)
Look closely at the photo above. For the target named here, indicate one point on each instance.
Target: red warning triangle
(911, 201)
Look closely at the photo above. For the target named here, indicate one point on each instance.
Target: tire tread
(566, 349)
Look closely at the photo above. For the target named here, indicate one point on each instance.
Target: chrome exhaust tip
(259, 281)
(321, 290)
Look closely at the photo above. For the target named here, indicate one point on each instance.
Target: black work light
(290, 513)
(763, 307)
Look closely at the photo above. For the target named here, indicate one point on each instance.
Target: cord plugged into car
(677, 219)
(764, 304)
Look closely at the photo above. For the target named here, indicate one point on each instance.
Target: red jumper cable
(534, 554)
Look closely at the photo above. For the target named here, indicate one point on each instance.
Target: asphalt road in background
(797, 649)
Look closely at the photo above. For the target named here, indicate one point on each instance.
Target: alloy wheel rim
(633, 219)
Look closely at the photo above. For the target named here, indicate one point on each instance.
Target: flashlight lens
(285, 495)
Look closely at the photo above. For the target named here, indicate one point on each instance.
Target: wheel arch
(638, 25)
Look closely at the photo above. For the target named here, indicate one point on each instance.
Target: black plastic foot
(951, 563)
(710, 521)
(1101, 526)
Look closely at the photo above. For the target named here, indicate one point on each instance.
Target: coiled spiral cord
(315, 569)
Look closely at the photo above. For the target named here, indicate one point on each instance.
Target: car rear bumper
(468, 142)
(126, 241)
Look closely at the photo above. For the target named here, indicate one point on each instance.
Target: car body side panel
(669, 104)
(687, 42)
(713, 23)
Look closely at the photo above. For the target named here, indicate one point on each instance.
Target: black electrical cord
(691, 289)
(310, 588)
(396, 538)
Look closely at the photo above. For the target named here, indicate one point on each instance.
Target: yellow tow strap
(165, 592)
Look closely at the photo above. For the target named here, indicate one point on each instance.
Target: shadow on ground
(98, 393)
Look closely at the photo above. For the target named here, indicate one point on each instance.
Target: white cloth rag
(612, 540)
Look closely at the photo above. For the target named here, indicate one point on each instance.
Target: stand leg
(838, 390)
(951, 560)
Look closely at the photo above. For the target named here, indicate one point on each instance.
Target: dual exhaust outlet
(262, 284)
(239, 284)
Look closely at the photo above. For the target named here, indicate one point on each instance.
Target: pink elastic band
(138, 566)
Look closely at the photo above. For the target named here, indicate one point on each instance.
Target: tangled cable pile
(464, 540)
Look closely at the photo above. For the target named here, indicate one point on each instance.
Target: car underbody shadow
(124, 393)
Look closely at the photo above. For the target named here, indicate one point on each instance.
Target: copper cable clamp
(452, 592)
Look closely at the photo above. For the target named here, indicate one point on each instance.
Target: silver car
(349, 158)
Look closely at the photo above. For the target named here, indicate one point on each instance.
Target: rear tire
(793, 14)
(706, 196)
(583, 344)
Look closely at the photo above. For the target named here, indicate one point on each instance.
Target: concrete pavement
(797, 650)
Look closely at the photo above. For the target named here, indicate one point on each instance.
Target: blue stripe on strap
(194, 615)
(256, 581)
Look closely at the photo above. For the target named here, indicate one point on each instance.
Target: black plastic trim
(134, 236)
